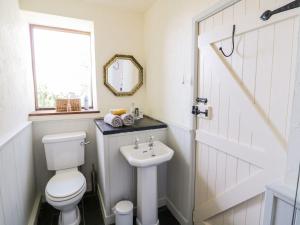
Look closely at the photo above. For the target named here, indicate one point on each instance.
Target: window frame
(58, 29)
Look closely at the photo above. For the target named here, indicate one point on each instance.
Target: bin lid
(124, 207)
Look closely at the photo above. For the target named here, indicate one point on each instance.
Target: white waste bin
(124, 213)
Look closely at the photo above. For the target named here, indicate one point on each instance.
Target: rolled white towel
(113, 120)
(128, 119)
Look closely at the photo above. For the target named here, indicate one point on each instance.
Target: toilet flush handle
(85, 143)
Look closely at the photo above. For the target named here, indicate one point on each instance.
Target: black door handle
(201, 100)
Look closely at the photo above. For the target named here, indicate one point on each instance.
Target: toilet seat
(65, 186)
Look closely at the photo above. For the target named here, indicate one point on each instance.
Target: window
(62, 65)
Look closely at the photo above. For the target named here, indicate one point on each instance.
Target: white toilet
(64, 153)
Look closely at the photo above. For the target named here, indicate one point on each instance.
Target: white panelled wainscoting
(116, 178)
(180, 172)
(18, 196)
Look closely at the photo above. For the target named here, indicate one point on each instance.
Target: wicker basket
(61, 105)
(75, 104)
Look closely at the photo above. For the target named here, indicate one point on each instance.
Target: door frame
(210, 11)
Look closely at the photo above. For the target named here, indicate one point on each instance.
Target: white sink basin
(145, 156)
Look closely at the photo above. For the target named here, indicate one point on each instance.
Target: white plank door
(243, 147)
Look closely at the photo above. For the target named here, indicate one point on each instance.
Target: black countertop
(147, 123)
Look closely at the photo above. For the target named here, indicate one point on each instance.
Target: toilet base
(69, 217)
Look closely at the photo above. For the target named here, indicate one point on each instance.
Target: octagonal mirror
(123, 75)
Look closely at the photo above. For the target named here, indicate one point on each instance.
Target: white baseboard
(161, 202)
(108, 219)
(177, 214)
(35, 210)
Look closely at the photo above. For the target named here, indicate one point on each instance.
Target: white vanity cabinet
(116, 178)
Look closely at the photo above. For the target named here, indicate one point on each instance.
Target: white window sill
(48, 115)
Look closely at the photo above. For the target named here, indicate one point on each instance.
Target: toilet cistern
(146, 158)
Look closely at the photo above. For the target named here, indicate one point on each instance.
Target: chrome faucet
(151, 142)
(136, 143)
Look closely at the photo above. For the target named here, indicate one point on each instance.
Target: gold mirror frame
(135, 62)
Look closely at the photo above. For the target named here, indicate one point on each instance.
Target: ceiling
(134, 5)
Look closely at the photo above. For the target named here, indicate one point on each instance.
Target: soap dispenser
(132, 109)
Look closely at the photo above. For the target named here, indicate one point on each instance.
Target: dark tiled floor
(91, 213)
(165, 217)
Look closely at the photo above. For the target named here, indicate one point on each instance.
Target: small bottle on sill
(86, 103)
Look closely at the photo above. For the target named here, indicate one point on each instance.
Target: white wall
(116, 31)
(168, 46)
(16, 96)
(17, 178)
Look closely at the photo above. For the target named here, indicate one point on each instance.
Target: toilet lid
(65, 184)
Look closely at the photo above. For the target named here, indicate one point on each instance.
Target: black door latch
(201, 100)
(196, 111)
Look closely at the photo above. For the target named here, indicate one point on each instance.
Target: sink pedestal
(147, 196)
(146, 158)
